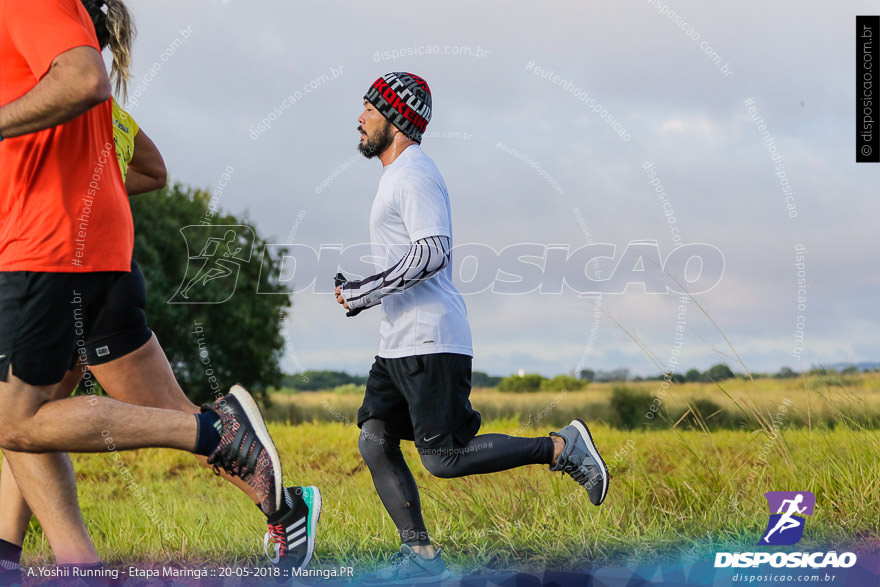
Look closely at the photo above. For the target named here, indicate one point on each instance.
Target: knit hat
(405, 100)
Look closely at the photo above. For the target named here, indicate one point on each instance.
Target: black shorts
(121, 327)
(424, 398)
(49, 320)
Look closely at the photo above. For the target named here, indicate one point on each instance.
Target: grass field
(673, 490)
(817, 401)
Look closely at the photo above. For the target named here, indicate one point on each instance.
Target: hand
(339, 298)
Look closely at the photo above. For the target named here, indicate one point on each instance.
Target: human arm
(424, 258)
(146, 170)
(75, 82)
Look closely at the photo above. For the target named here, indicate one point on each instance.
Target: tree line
(316, 380)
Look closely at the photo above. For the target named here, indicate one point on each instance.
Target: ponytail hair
(115, 28)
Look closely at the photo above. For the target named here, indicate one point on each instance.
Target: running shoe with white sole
(581, 460)
(408, 568)
(246, 450)
(292, 532)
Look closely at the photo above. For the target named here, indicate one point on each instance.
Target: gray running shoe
(409, 568)
(581, 460)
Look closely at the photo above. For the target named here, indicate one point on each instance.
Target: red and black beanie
(405, 100)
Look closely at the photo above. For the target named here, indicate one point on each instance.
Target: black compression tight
(487, 453)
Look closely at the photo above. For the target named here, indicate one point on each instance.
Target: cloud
(577, 178)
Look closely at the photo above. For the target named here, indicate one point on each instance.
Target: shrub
(628, 407)
(712, 415)
(563, 382)
(525, 383)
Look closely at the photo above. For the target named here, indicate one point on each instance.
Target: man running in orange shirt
(66, 238)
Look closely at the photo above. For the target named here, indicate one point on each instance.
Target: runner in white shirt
(412, 206)
(419, 385)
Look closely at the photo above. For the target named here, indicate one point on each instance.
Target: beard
(377, 142)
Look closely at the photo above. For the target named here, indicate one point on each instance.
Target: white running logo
(426, 439)
(786, 522)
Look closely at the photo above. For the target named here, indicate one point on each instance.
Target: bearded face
(374, 142)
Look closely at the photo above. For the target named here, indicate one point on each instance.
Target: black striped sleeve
(424, 258)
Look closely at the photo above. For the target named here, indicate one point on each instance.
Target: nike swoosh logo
(426, 439)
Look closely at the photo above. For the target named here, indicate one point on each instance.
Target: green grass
(671, 492)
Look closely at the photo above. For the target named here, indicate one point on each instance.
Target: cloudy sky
(545, 118)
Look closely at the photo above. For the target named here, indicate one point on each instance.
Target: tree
(481, 379)
(620, 374)
(785, 373)
(209, 346)
(719, 372)
(672, 377)
(587, 374)
(315, 380)
(693, 376)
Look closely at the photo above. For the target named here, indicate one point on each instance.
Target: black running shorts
(49, 320)
(424, 398)
(121, 327)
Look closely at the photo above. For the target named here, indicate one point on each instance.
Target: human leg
(488, 453)
(37, 425)
(48, 485)
(144, 377)
(128, 360)
(53, 472)
(14, 513)
(384, 419)
(393, 481)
